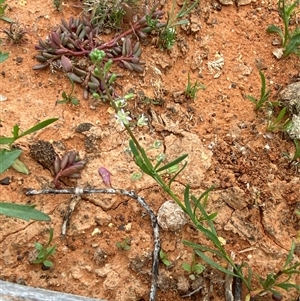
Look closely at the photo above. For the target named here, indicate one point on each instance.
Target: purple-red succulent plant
(67, 166)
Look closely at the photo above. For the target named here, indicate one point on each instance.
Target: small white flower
(142, 121)
(121, 103)
(123, 117)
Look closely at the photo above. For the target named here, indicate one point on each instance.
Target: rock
(171, 217)
(234, 197)
(290, 96)
(294, 129)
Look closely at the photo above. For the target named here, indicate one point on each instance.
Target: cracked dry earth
(257, 191)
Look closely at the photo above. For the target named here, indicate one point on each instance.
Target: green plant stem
(285, 21)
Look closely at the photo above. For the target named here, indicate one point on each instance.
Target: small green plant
(290, 38)
(3, 56)
(124, 245)
(8, 155)
(16, 33)
(294, 160)
(164, 258)
(44, 252)
(69, 98)
(280, 123)
(167, 35)
(192, 89)
(3, 7)
(264, 94)
(57, 4)
(194, 269)
(107, 13)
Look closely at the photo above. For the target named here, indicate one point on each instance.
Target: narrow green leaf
(290, 256)
(274, 29)
(7, 158)
(6, 19)
(15, 131)
(186, 267)
(7, 140)
(187, 203)
(25, 212)
(48, 263)
(287, 286)
(3, 56)
(176, 161)
(38, 246)
(20, 167)
(293, 45)
(214, 264)
(39, 126)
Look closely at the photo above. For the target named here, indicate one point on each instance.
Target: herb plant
(57, 4)
(264, 94)
(192, 89)
(164, 258)
(124, 245)
(280, 123)
(44, 252)
(68, 98)
(108, 14)
(167, 34)
(290, 38)
(16, 33)
(194, 269)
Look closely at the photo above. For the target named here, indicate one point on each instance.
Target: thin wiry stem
(131, 194)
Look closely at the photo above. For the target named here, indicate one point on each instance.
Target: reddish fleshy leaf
(105, 175)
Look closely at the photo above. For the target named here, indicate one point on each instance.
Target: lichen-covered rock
(171, 217)
(294, 129)
(290, 97)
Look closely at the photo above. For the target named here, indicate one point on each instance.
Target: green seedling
(44, 252)
(3, 56)
(124, 245)
(107, 13)
(9, 156)
(3, 7)
(192, 89)
(194, 269)
(264, 94)
(280, 123)
(294, 160)
(57, 4)
(290, 38)
(167, 35)
(69, 98)
(24, 212)
(164, 258)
